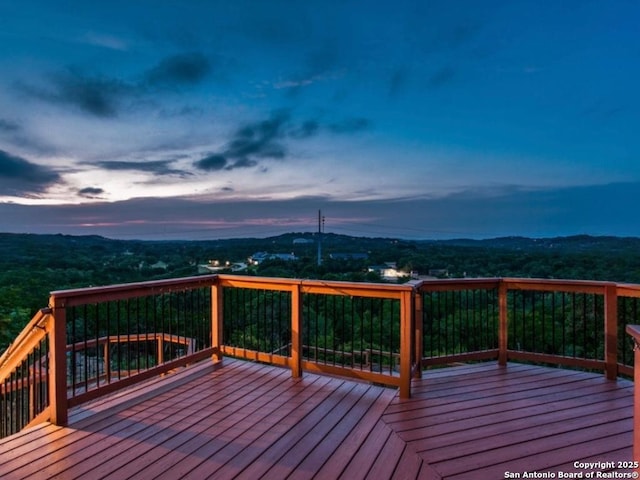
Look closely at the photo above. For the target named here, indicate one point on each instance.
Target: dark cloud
(183, 69)
(243, 163)
(106, 97)
(23, 178)
(350, 125)
(8, 126)
(260, 139)
(441, 77)
(266, 140)
(158, 167)
(98, 96)
(212, 163)
(251, 142)
(91, 192)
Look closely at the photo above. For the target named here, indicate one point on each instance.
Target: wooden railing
(355, 310)
(97, 340)
(24, 377)
(132, 316)
(562, 322)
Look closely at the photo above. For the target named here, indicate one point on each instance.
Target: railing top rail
(130, 338)
(634, 331)
(582, 286)
(558, 285)
(628, 290)
(314, 286)
(129, 290)
(453, 283)
(30, 336)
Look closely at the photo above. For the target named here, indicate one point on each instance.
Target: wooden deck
(253, 421)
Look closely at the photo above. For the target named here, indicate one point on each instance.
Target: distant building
(389, 271)
(259, 257)
(217, 267)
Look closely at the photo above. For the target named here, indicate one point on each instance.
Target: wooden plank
(347, 449)
(429, 411)
(433, 381)
(285, 443)
(480, 438)
(360, 464)
(411, 466)
(33, 456)
(511, 371)
(602, 447)
(622, 455)
(248, 419)
(186, 408)
(301, 445)
(477, 393)
(198, 449)
(523, 380)
(508, 391)
(219, 429)
(584, 441)
(457, 420)
(387, 461)
(330, 442)
(256, 436)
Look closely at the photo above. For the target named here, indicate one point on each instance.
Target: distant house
(259, 257)
(302, 241)
(389, 271)
(159, 265)
(214, 267)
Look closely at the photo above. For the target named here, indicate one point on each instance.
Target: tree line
(31, 266)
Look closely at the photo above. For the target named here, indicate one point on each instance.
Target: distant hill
(18, 245)
(574, 243)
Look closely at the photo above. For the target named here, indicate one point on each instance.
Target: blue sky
(416, 119)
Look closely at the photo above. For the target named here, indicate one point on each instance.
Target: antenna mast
(320, 221)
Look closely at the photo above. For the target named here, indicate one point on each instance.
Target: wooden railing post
(58, 363)
(296, 331)
(611, 331)
(406, 314)
(419, 339)
(634, 331)
(217, 321)
(503, 323)
(107, 359)
(160, 349)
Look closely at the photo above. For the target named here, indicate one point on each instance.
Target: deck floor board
(246, 420)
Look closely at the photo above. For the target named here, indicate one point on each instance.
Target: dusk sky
(197, 119)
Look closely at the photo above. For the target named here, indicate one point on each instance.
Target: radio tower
(320, 229)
